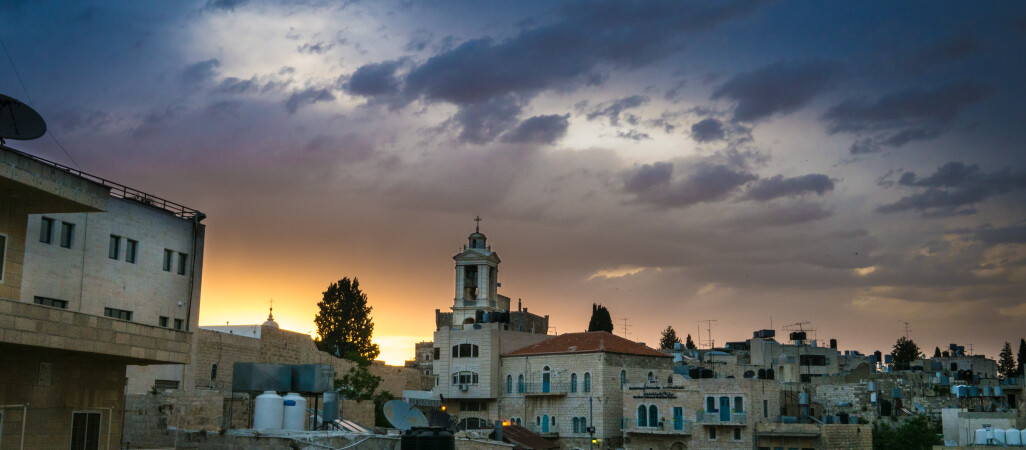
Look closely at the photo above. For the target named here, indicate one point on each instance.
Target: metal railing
(545, 388)
(714, 417)
(119, 190)
(668, 427)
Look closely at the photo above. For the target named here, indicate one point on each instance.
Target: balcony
(553, 431)
(545, 389)
(666, 429)
(716, 418)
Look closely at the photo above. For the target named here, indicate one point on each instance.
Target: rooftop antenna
(477, 228)
(625, 327)
(906, 330)
(708, 326)
(19, 121)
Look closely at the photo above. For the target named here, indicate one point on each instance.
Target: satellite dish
(19, 121)
(403, 416)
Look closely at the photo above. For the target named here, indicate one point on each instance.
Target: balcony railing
(544, 389)
(666, 428)
(552, 432)
(715, 418)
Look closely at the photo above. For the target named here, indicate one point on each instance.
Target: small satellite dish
(19, 121)
(403, 416)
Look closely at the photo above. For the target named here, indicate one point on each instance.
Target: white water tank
(1013, 437)
(295, 412)
(872, 397)
(267, 414)
(999, 436)
(981, 437)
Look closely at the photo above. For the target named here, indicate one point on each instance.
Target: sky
(856, 167)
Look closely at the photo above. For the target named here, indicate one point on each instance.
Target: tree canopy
(1022, 357)
(936, 352)
(359, 384)
(668, 338)
(600, 319)
(916, 433)
(344, 324)
(905, 351)
(1006, 362)
(689, 343)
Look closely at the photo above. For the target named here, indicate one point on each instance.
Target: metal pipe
(24, 417)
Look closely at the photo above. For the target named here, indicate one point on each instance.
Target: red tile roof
(596, 341)
(524, 438)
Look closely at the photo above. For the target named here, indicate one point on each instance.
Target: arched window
(642, 416)
(509, 384)
(651, 377)
(576, 425)
(653, 416)
(520, 384)
(739, 404)
(587, 382)
(623, 379)
(537, 420)
(573, 382)
(584, 425)
(465, 351)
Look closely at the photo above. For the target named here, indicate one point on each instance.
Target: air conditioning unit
(463, 387)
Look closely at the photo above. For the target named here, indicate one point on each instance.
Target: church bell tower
(477, 269)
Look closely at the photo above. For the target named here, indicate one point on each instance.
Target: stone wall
(149, 416)
(845, 437)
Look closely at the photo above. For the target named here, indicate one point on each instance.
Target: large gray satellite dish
(19, 121)
(403, 416)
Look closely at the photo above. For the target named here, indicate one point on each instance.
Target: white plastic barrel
(981, 437)
(268, 411)
(1013, 437)
(999, 436)
(295, 412)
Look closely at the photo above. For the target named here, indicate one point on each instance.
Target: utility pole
(591, 420)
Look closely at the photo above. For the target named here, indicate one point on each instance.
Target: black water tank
(833, 344)
(845, 418)
(428, 438)
(885, 408)
(770, 374)
(478, 316)
(762, 374)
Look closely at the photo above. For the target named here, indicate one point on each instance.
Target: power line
(33, 104)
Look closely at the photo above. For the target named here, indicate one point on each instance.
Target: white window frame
(99, 431)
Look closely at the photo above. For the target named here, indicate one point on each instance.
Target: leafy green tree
(344, 323)
(917, 433)
(905, 351)
(1022, 357)
(600, 319)
(689, 343)
(358, 384)
(669, 338)
(936, 352)
(1006, 362)
(379, 408)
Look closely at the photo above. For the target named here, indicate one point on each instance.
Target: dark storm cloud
(612, 110)
(315, 47)
(945, 51)
(778, 186)
(778, 88)
(225, 5)
(374, 80)
(633, 135)
(954, 189)
(909, 107)
(482, 122)
(307, 97)
(708, 130)
(546, 129)
(419, 41)
(989, 235)
(781, 215)
(232, 85)
(702, 182)
(200, 72)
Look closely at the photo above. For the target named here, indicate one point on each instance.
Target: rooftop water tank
(872, 397)
(428, 438)
(999, 437)
(871, 387)
(268, 412)
(803, 398)
(896, 393)
(1013, 437)
(295, 412)
(998, 391)
(982, 437)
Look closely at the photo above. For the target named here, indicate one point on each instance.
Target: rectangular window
(765, 408)
(169, 256)
(67, 234)
(163, 321)
(85, 431)
(46, 230)
(438, 352)
(737, 434)
(115, 247)
(117, 313)
(63, 304)
(164, 385)
(131, 249)
(182, 257)
(179, 324)
(213, 372)
(712, 434)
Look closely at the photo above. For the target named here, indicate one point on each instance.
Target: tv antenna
(625, 328)
(708, 327)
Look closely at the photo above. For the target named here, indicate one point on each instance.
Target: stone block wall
(847, 437)
(148, 416)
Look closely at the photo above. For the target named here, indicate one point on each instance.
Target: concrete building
(423, 359)
(569, 388)
(94, 277)
(469, 341)
(802, 360)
